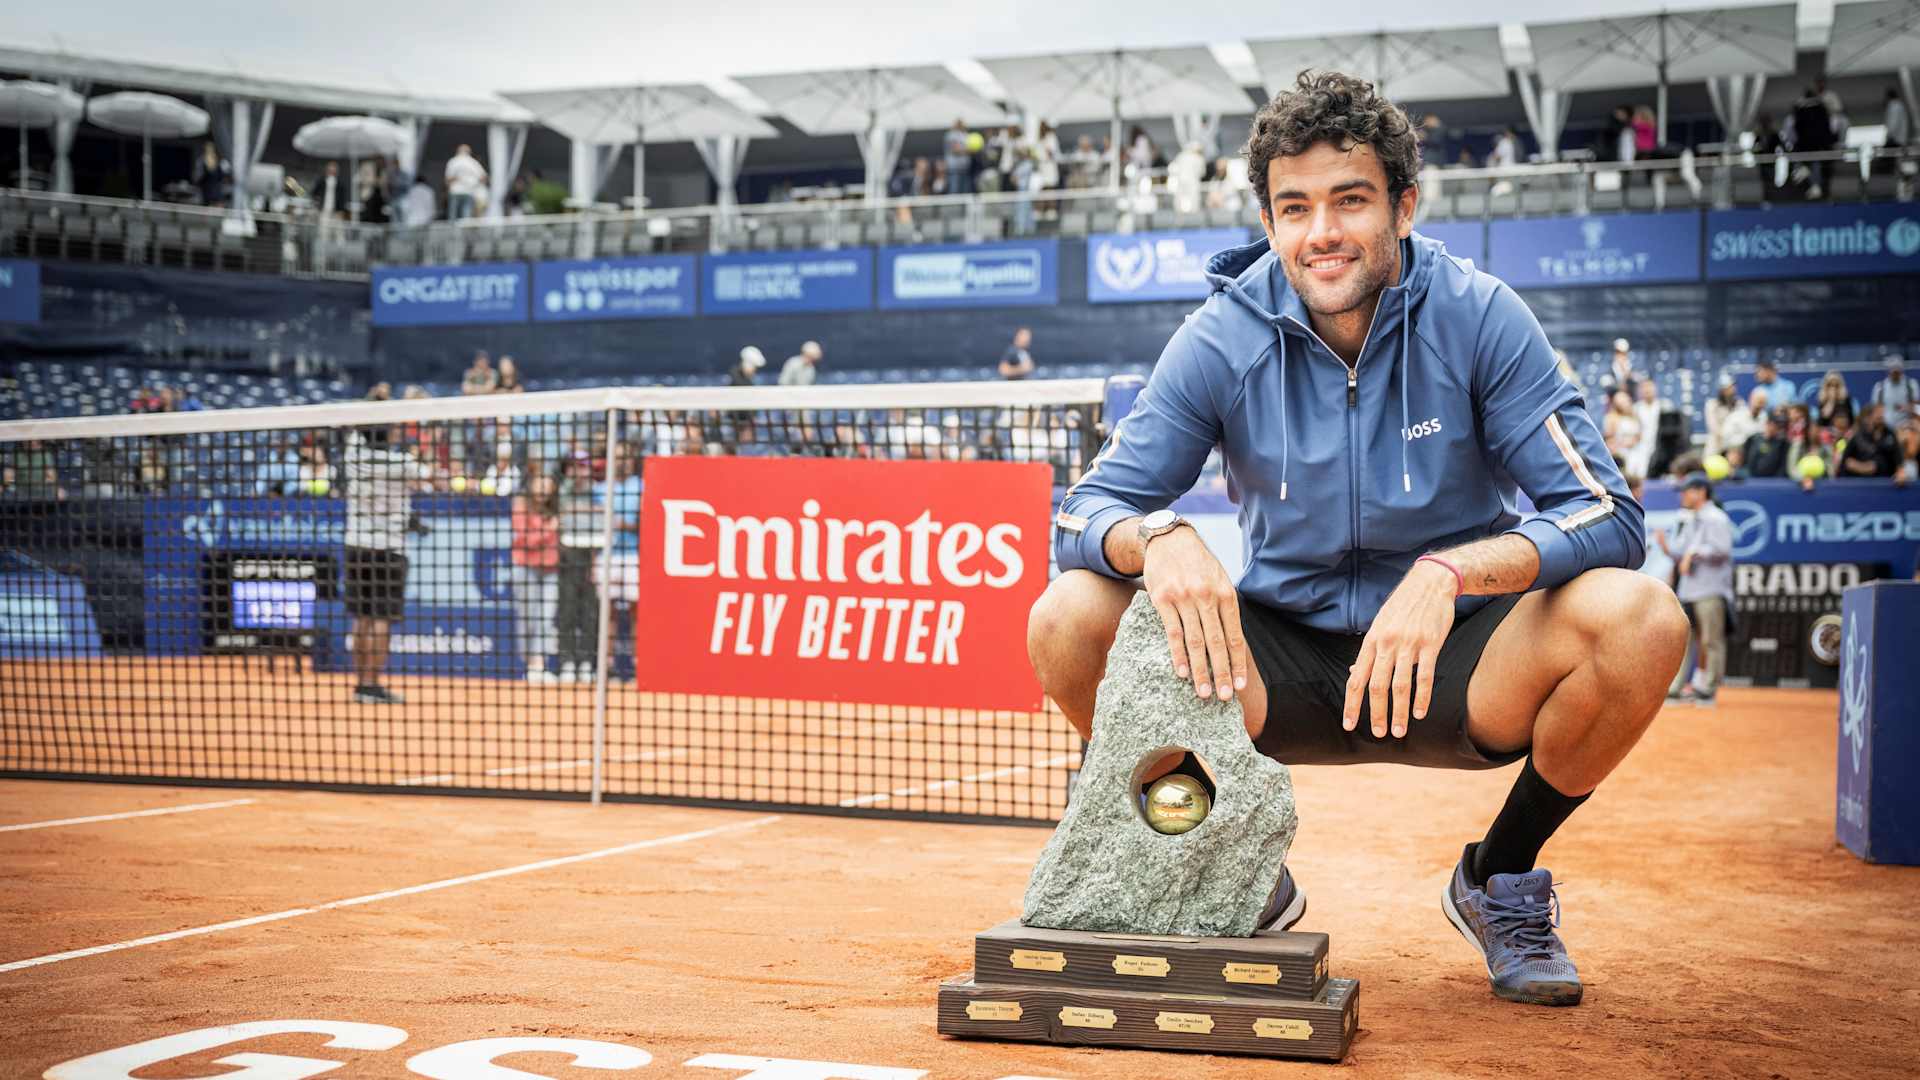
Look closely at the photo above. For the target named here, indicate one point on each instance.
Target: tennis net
(443, 596)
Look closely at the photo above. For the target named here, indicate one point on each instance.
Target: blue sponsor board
(1877, 774)
(1129, 267)
(19, 291)
(43, 615)
(763, 283)
(1857, 521)
(458, 614)
(649, 287)
(1464, 239)
(1618, 249)
(1813, 241)
(449, 295)
(970, 275)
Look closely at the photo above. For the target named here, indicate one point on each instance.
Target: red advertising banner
(893, 582)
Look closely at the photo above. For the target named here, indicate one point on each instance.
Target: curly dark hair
(1328, 106)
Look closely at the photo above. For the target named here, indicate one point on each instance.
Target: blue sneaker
(1286, 906)
(1511, 922)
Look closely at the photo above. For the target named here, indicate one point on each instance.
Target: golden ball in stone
(1177, 803)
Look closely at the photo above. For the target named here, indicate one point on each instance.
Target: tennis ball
(1717, 466)
(459, 484)
(1177, 803)
(487, 486)
(1811, 467)
(976, 142)
(319, 485)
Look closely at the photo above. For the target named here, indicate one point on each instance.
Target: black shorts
(376, 584)
(1306, 675)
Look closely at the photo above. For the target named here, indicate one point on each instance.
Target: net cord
(603, 663)
(835, 397)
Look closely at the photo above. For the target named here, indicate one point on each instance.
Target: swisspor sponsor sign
(880, 581)
(649, 287)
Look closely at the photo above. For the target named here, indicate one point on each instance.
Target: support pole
(604, 661)
(1114, 129)
(1660, 120)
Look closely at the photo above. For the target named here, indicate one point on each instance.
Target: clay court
(1720, 930)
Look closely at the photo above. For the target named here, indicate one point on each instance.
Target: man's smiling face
(1333, 227)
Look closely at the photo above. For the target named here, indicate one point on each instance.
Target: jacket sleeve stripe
(1602, 509)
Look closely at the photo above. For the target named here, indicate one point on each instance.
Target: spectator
(1184, 177)
(1647, 408)
(801, 369)
(1140, 154)
(1909, 439)
(1621, 426)
(747, 370)
(577, 606)
(1620, 135)
(1802, 439)
(1506, 150)
(1702, 548)
(370, 191)
(1046, 158)
(625, 494)
(421, 205)
(1835, 403)
(1083, 164)
(1729, 420)
(212, 175)
(325, 192)
(937, 185)
(480, 378)
(957, 156)
(380, 480)
(466, 179)
(314, 474)
(1765, 454)
(1022, 180)
(279, 471)
(1897, 394)
(380, 391)
(1017, 362)
(1646, 134)
(1872, 451)
(508, 381)
(1620, 374)
(1810, 131)
(31, 472)
(536, 579)
(1780, 392)
(503, 476)
(1899, 125)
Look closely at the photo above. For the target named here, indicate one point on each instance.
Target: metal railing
(40, 225)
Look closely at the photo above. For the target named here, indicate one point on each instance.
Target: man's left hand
(1686, 565)
(1400, 651)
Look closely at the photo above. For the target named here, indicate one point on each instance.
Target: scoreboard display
(256, 602)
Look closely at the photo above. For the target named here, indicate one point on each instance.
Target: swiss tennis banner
(892, 582)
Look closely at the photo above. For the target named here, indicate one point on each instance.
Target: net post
(604, 649)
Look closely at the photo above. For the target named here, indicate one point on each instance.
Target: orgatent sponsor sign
(873, 581)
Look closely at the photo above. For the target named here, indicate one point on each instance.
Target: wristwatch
(1158, 523)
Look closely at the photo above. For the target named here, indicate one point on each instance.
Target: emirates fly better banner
(893, 582)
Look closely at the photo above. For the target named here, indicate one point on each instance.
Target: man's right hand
(1201, 611)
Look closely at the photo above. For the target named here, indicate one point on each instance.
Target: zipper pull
(1353, 387)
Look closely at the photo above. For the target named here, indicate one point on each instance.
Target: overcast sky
(470, 48)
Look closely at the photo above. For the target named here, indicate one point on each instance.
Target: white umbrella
(351, 137)
(27, 104)
(150, 116)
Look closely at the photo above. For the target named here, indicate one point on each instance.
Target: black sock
(1534, 810)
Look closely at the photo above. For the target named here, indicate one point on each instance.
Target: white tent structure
(1188, 84)
(150, 116)
(1733, 50)
(603, 119)
(1406, 65)
(1876, 38)
(877, 106)
(27, 104)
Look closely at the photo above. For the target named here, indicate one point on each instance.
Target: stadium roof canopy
(1079, 87)
(1665, 47)
(679, 112)
(233, 83)
(1413, 65)
(849, 101)
(1874, 38)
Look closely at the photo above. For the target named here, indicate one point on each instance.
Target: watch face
(1159, 519)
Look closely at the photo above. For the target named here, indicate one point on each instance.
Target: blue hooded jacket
(1456, 404)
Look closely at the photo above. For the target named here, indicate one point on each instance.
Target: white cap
(810, 349)
(752, 358)
(1620, 345)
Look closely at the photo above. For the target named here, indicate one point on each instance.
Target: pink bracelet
(1459, 583)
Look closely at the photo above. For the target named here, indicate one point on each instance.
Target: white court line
(996, 774)
(156, 812)
(447, 883)
(545, 766)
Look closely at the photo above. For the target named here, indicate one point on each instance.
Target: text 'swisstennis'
(900, 582)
